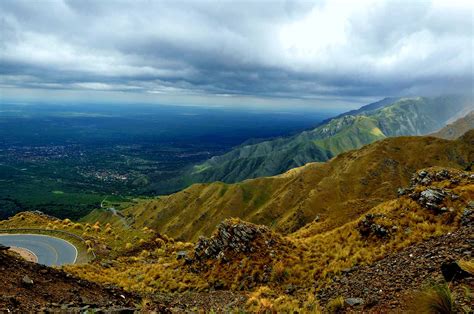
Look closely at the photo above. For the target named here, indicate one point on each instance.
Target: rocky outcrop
(431, 198)
(234, 236)
(368, 227)
(432, 188)
(426, 177)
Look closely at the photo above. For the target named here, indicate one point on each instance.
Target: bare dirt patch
(25, 253)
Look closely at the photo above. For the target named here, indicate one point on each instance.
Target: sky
(322, 54)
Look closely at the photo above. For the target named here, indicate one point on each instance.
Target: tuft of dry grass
(467, 266)
(436, 299)
(335, 305)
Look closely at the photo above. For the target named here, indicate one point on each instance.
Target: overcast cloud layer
(232, 49)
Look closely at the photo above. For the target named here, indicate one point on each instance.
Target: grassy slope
(337, 191)
(409, 116)
(306, 259)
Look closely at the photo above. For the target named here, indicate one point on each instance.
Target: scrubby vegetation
(284, 272)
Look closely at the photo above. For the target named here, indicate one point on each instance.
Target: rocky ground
(389, 283)
(206, 302)
(30, 287)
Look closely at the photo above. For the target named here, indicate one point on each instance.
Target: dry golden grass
(266, 300)
(467, 266)
(337, 191)
(341, 192)
(146, 271)
(306, 259)
(335, 305)
(436, 299)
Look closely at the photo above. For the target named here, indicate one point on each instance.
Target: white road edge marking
(43, 235)
(77, 253)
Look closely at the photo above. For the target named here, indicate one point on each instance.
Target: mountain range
(386, 118)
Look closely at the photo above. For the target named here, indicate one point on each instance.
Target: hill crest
(332, 192)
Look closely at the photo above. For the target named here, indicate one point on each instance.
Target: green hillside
(387, 118)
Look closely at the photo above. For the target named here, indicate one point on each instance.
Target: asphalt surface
(51, 251)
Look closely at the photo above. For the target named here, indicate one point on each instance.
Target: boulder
(27, 281)
(181, 255)
(354, 301)
(431, 198)
(452, 271)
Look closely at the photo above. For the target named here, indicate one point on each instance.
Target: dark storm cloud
(261, 48)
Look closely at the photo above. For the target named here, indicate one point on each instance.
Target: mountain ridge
(333, 192)
(386, 118)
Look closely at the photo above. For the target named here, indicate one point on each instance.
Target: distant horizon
(326, 106)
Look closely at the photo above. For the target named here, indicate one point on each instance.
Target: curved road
(51, 251)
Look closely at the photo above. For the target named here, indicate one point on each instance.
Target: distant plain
(66, 159)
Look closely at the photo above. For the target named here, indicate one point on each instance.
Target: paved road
(50, 251)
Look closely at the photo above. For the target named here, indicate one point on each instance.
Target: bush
(436, 299)
(279, 272)
(467, 266)
(335, 305)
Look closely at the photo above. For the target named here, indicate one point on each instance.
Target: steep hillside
(375, 262)
(387, 118)
(457, 128)
(395, 250)
(331, 193)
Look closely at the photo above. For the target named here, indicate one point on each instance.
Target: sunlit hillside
(331, 193)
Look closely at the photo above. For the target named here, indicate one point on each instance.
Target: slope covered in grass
(332, 193)
(297, 271)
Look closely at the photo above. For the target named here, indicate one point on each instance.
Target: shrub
(436, 299)
(77, 226)
(279, 272)
(335, 305)
(467, 266)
